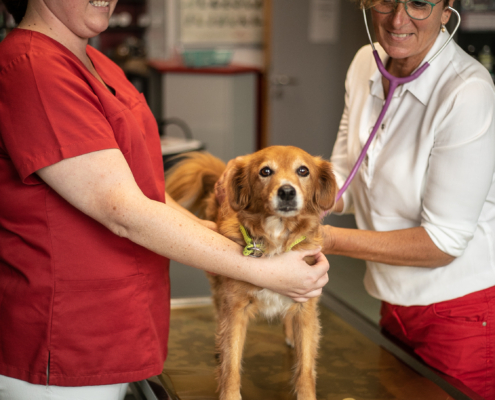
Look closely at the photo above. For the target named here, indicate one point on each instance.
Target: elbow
(118, 229)
(438, 258)
(116, 217)
(444, 260)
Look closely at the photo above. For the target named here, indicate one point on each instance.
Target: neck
(39, 19)
(278, 235)
(401, 67)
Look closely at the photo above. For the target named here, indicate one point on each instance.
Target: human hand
(289, 275)
(220, 192)
(209, 224)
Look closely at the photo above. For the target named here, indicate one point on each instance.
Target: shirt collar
(421, 88)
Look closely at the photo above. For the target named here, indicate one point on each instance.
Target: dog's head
(283, 181)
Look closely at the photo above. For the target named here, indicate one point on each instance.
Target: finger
(322, 280)
(212, 226)
(310, 252)
(321, 262)
(300, 299)
(313, 293)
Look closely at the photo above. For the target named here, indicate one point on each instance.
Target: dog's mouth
(287, 208)
(286, 200)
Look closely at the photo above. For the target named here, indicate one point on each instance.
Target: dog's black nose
(286, 193)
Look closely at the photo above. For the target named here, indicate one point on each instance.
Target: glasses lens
(418, 9)
(384, 6)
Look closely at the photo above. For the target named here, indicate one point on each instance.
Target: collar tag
(252, 248)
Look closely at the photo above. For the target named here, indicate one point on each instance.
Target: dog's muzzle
(286, 195)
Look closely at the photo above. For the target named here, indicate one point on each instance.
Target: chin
(95, 29)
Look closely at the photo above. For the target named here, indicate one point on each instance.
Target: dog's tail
(191, 182)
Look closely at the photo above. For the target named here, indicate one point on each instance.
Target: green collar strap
(254, 249)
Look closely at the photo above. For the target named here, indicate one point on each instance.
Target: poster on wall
(324, 17)
(221, 22)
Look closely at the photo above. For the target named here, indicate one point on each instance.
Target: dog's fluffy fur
(277, 194)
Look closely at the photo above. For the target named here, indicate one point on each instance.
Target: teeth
(401, 35)
(99, 3)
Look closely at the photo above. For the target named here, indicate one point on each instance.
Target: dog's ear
(325, 187)
(238, 187)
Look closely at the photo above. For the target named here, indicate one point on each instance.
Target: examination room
(247, 199)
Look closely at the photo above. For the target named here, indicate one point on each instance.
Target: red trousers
(457, 337)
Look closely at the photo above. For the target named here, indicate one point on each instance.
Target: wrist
(328, 239)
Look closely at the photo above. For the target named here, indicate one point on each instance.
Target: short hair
(369, 3)
(17, 8)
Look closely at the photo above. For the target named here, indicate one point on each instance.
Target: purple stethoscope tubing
(394, 83)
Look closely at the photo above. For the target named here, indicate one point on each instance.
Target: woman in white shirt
(424, 198)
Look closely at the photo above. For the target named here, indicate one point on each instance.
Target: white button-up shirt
(431, 164)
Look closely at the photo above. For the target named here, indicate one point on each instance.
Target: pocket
(101, 327)
(463, 311)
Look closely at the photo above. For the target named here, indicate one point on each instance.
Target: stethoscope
(394, 83)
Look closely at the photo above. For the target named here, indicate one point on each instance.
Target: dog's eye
(266, 171)
(303, 171)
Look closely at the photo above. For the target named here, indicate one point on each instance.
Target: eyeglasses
(416, 9)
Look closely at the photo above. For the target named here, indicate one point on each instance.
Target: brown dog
(274, 200)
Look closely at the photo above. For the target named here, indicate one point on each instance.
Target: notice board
(221, 22)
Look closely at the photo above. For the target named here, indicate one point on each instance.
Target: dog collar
(254, 249)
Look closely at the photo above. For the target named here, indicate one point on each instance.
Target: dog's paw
(289, 342)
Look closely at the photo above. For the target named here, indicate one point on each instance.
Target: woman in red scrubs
(85, 234)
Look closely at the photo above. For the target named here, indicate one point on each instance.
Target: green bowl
(206, 58)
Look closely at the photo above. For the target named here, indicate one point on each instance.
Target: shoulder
(463, 103)
(466, 76)
(363, 57)
(363, 65)
(35, 61)
(466, 67)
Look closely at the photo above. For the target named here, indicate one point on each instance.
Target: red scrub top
(90, 307)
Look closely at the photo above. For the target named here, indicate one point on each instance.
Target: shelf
(472, 21)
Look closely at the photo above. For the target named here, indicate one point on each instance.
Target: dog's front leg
(230, 342)
(306, 326)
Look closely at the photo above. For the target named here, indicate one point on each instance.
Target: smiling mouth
(400, 35)
(99, 3)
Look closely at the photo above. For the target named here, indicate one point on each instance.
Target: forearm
(406, 247)
(176, 206)
(173, 234)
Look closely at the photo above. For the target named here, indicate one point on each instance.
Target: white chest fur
(272, 304)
